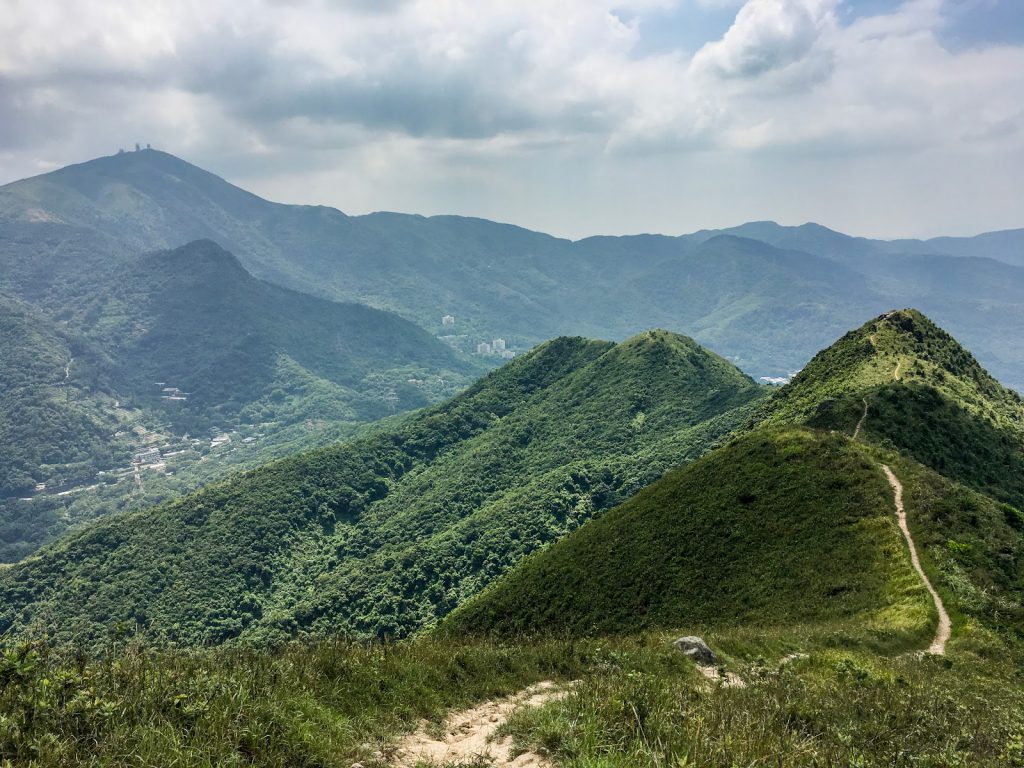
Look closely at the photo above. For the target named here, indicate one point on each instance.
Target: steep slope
(795, 522)
(382, 535)
(925, 396)
(779, 527)
(783, 527)
(195, 319)
(69, 231)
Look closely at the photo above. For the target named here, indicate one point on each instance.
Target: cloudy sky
(877, 117)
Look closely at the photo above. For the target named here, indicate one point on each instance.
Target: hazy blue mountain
(766, 311)
(186, 341)
(1006, 245)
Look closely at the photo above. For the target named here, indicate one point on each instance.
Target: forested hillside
(47, 416)
(383, 535)
(194, 318)
(764, 296)
(793, 522)
(167, 360)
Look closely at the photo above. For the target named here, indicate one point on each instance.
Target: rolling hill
(186, 341)
(793, 522)
(793, 289)
(382, 535)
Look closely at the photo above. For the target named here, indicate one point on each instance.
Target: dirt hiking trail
(938, 646)
(860, 421)
(469, 734)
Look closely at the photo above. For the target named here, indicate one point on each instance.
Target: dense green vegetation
(326, 705)
(779, 527)
(837, 707)
(781, 540)
(778, 523)
(636, 701)
(249, 355)
(194, 319)
(784, 526)
(382, 535)
(45, 417)
(926, 397)
(765, 296)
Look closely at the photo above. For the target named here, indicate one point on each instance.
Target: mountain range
(140, 268)
(796, 287)
(475, 512)
(205, 373)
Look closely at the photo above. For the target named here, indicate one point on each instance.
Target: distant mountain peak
(199, 257)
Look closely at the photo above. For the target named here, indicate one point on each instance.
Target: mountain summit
(383, 535)
(901, 381)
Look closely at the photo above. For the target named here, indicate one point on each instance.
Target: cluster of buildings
(171, 393)
(495, 348)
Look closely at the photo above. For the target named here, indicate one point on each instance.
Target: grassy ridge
(927, 398)
(780, 526)
(637, 702)
(780, 521)
(383, 535)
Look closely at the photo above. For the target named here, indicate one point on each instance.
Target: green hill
(762, 295)
(186, 341)
(794, 521)
(195, 319)
(925, 395)
(385, 534)
(782, 528)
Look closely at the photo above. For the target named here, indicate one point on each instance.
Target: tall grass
(831, 707)
(851, 701)
(330, 704)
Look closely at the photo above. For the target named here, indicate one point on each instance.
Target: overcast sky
(575, 117)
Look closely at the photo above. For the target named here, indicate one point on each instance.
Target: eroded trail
(860, 421)
(469, 734)
(938, 646)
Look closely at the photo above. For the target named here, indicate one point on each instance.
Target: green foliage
(634, 701)
(45, 416)
(383, 535)
(944, 409)
(780, 526)
(730, 539)
(833, 707)
(329, 704)
(245, 351)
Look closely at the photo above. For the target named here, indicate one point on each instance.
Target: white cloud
(461, 91)
(768, 35)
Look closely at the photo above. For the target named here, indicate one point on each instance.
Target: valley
(253, 491)
(449, 384)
